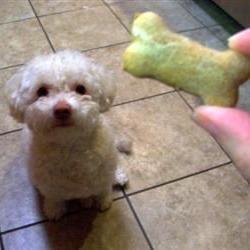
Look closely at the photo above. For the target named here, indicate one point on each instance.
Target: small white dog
(70, 148)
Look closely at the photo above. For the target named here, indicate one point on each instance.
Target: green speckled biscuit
(159, 53)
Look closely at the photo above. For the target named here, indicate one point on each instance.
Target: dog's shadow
(21, 214)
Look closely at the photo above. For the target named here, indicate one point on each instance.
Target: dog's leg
(86, 202)
(53, 209)
(104, 199)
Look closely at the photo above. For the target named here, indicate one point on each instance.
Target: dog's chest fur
(74, 169)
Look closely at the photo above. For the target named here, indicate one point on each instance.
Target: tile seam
(116, 16)
(132, 209)
(209, 26)
(10, 131)
(1, 241)
(226, 164)
(50, 14)
(42, 221)
(113, 106)
(43, 29)
(18, 21)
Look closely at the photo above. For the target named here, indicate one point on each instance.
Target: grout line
(84, 50)
(23, 227)
(138, 220)
(213, 25)
(184, 98)
(185, 101)
(144, 98)
(51, 14)
(226, 164)
(44, 31)
(218, 37)
(116, 16)
(113, 106)
(11, 66)
(105, 46)
(1, 242)
(192, 29)
(119, 197)
(62, 12)
(215, 34)
(196, 18)
(11, 131)
(47, 220)
(192, 109)
(19, 20)
(72, 10)
(225, 152)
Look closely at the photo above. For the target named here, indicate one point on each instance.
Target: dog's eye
(80, 89)
(43, 91)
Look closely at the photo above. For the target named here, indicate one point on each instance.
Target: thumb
(231, 128)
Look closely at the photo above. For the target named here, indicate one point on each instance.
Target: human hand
(230, 126)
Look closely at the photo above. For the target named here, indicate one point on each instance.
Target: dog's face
(62, 90)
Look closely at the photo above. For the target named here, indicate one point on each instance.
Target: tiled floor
(184, 191)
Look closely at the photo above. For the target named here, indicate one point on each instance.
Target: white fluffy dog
(69, 145)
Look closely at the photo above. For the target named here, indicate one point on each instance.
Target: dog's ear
(108, 90)
(12, 89)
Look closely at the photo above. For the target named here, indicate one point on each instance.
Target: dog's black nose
(62, 110)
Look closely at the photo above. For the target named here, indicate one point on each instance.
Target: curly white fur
(72, 158)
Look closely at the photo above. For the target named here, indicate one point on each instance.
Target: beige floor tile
(224, 31)
(9, 145)
(122, 231)
(113, 229)
(207, 211)
(66, 234)
(20, 41)
(84, 29)
(221, 32)
(201, 12)
(167, 143)
(193, 101)
(175, 16)
(206, 38)
(244, 100)
(19, 202)
(7, 122)
(45, 7)
(14, 10)
(128, 87)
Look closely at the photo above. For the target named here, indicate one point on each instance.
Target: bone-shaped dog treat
(159, 53)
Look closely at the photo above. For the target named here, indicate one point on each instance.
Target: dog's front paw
(124, 145)
(104, 202)
(53, 210)
(121, 178)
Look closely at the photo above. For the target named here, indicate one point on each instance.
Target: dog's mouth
(63, 124)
